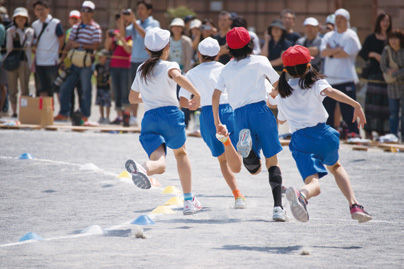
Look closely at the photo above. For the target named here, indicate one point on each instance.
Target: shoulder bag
(387, 77)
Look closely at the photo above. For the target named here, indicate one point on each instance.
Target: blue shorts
(258, 118)
(163, 125)
(208, 128)
(313, 147)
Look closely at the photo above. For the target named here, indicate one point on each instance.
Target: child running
(163, 123)
(314, 143)
(205, 75)
(255, 125)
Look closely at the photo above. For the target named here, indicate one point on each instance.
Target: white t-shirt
(204, 77)
(256, 43)
(304, 107)
(341, 70)
(159, 90)
(47, 51)
(245, 80)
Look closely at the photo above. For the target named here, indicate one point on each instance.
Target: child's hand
(273, 93)
(194, 103)
(222, 130)
(358, 113)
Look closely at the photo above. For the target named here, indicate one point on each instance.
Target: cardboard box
(36, 110)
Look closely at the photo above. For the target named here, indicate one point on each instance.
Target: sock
(275, 180)
(188, 196)
(237, 194)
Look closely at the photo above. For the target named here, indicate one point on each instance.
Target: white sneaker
(244, 143)
(240, 203)
(139, 174)
(133, 121)
(191, 206)
(279, 214)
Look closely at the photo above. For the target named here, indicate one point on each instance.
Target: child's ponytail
(147, 68)
(284, 88)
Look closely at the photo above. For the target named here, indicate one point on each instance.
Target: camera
(205, 27)
(111, 33)
(126, 11)
(61, 78)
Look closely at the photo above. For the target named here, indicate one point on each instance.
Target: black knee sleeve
(275, 177)
(275, 180)
(252, 162)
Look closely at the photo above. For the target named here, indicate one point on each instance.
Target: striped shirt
(88, 33)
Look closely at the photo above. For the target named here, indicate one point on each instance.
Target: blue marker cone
(30, 236)
(26, 156)
(143, 220)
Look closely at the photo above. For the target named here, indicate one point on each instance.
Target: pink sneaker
(191, 206)
(297, 205)
(358, 213)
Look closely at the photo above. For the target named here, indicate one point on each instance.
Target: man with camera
(85, 37)
(137, 30)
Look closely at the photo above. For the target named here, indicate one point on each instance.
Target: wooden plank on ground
(284, 142)
(21, 126)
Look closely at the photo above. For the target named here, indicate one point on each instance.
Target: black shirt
(275, 50)
(293, 37)
(102, 76)
(372, 44)
(224, 59)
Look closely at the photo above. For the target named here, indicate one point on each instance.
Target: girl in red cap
(314, 143)
(244, 79)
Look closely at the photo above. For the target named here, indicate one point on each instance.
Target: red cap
(296, 55)
(237, 38)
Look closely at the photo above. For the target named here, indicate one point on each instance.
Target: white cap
(177, 22)
(195, 24)
(342, 12)
(330, 19)
(310, 21)
(88, 4)
(20, 11)
(156, 39)
(74, 14)
(209, 47)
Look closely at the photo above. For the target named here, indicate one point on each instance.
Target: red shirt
(122, 59)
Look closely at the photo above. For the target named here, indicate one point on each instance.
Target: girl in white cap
(244, 79)
(205, 75)
(163, 125)
(19, 41)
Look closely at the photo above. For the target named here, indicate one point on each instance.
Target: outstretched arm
(135, 97)
(342, 97)
(181, 80)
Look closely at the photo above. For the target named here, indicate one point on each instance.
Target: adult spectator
(329, 23)
(340, 48)
(312, 41)
(275, 44)
(288, 17)
(3, 73)
(187, 21)
(85, 36)
(392, 64)
(180, 45)
(376, 104)
(241, 22)
(224, 27)
(5, 22)
(120, 47)
(19, 42)
(137, 30)
(48, 42)
(201, 30)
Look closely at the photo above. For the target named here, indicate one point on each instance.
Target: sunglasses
(86, 10)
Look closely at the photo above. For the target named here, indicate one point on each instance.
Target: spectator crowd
(63, 62)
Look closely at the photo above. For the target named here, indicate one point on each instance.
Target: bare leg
(273, 161)
(184, 168)
(3, 94)
(227, 173)
(102, 111)
(312, 187)
(157, 162)
(108, 110)
(343, 182)
(234, 160)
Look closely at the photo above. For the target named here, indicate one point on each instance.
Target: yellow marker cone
(175, 201)
(163, 210)
(172, 189)
(124, 174)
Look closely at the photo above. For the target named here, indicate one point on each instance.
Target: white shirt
(160, 90)
(256, 43)
(341, 70)
(245, 80)
(304, 107)
(204, 77)
(47, 51)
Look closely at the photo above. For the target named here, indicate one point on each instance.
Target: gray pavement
(72, 184)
